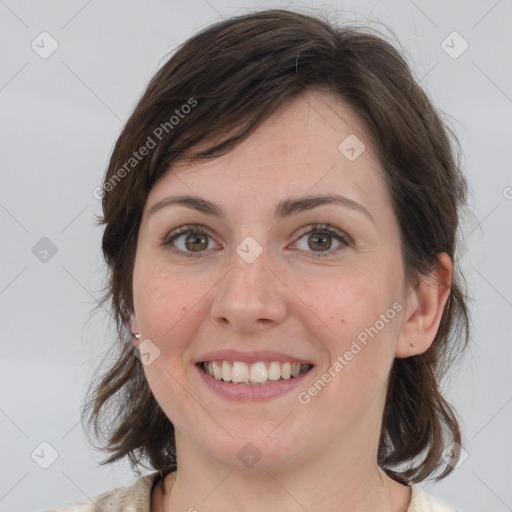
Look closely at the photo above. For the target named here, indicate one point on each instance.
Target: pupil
(191, 239)
(326, 241)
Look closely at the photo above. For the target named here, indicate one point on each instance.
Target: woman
(280, 219)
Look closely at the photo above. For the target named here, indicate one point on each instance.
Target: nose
(250, 297)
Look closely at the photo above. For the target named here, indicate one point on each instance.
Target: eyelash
(197, 229)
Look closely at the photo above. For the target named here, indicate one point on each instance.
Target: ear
(424, 309)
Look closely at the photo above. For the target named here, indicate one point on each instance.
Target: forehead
(314, 143)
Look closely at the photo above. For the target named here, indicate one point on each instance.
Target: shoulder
(135, 498)
(421, 501)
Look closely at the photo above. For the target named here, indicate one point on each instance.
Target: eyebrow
(283, 209)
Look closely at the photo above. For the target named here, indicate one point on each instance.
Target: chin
(258, 451)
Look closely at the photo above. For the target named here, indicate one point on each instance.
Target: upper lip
(250, 357)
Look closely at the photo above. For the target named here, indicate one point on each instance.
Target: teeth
(274, 371)
(286, 370)
(226, 371)
(240, 372)
(217, 370)
(256, 373)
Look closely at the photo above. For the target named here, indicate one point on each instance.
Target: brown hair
(233, 75)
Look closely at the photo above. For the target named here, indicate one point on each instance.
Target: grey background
(60, 117)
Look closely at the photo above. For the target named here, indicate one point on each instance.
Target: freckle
(183, 308)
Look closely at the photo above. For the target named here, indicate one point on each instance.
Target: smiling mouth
(259, 373)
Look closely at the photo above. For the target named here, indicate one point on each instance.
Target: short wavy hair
(233, 75)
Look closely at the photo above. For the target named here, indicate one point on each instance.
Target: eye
(319, 239)
(191, 241)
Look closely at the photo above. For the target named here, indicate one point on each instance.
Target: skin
(319, 456)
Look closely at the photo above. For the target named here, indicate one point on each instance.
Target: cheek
(344, 300)
(351, 314)
(161, 299)
(359, 343)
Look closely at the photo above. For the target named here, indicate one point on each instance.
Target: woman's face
(273, 277)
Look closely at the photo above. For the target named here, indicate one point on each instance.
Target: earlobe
(134, 325)
(424, 310)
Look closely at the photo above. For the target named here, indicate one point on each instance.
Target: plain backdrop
(70, 74)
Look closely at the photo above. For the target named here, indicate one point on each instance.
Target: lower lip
(250, 392)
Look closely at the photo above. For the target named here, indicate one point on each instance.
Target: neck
(355, 486)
